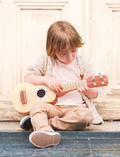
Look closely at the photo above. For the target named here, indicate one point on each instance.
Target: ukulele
(25, 95)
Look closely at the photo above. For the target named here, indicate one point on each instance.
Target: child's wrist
(91, 93)
(46, 79)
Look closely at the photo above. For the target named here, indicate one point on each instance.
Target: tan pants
(46, 117)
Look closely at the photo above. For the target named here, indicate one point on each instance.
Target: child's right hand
(54, 84)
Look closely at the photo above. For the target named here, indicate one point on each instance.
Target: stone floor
(72, 144)
(94, 141)
(113, 126)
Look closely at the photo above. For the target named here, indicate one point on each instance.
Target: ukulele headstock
(97, 81)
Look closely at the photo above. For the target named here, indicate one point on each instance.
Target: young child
(72, 111)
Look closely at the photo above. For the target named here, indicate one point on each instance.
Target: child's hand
(82, 89)
(54, 84)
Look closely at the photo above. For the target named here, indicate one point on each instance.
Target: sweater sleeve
(37, 68)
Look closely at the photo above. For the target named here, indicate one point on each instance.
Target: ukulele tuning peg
(101, 77)
(102, 83)
(94, 84)
(93, 78)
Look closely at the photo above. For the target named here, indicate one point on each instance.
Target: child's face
(68, 55)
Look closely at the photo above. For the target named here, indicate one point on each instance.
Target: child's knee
(37, 108)
(84, 114)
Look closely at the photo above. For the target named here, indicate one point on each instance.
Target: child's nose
(69, 57)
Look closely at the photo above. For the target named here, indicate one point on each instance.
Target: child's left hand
(82, 89)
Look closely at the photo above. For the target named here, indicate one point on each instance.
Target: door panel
(35, 24)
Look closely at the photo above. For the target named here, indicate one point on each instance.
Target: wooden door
(23, 28)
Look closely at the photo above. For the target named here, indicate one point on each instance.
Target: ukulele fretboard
(73, 85)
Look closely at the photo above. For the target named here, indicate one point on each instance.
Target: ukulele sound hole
(41, 93)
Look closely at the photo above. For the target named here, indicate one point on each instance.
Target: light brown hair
(60, 36)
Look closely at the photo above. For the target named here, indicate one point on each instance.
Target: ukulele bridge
(23, 97)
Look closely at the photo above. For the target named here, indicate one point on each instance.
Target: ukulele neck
(73, 85)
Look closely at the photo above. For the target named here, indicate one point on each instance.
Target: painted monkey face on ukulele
(25, 95)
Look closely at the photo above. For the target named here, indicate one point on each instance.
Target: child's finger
(57, 88)
(86, 87)
(79, 89)
(60, 85)
(83, 88)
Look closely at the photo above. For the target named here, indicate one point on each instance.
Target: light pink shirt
(68, 73)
